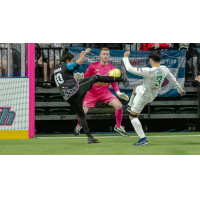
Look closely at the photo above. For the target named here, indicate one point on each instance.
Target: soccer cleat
(92, 140)
(127, 107)
(121, 130)
(142, 142)
(77, 130)
(124, 76)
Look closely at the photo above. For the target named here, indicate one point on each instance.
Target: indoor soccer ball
(115, 73)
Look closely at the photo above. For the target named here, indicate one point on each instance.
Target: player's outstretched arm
(173, 81)
(82, 56)
(80, 76)
(134, 70)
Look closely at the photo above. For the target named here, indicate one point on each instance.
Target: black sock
(89, 135)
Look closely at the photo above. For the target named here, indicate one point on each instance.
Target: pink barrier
(31, 75)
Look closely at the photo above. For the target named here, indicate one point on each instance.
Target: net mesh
(168, 112)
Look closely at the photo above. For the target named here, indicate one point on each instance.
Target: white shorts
(138, 102)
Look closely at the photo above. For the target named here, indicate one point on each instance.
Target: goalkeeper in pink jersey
(100, 91)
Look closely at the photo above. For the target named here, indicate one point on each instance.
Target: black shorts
(84, 86)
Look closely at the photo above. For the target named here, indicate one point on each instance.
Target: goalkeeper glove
(122, 95)
(79, 76)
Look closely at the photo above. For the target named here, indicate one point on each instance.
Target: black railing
(40, 52)
(112, 46)
(15, 62)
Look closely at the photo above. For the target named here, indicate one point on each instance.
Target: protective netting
(168, 111)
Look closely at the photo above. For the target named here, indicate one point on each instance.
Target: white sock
(131, 100)
(138, 127)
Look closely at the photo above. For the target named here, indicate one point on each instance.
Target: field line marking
(77, 137)
(117, 136)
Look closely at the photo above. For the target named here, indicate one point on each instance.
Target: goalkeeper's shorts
(90, 98)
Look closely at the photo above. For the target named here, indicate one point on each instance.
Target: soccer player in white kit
(146, 93)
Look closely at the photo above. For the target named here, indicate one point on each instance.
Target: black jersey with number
(64, 79)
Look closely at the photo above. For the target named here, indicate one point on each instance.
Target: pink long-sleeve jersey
(98, 69)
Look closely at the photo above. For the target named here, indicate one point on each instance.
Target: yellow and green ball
(115, 73)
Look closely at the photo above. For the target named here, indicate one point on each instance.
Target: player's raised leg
(132, 97)
(110, 79)
(128, 106)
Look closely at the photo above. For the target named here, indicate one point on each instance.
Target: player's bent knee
(118, 107)
(132, 116)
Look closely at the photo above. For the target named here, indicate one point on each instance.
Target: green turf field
(111, 144)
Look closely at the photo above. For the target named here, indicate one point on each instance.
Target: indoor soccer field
(38, 111)
(176, 143)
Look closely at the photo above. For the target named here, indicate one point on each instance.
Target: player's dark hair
(155, 55)
(66, 56)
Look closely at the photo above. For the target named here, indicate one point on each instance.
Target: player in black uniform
(73, 91)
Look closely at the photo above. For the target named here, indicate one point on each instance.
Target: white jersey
(153, 79)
